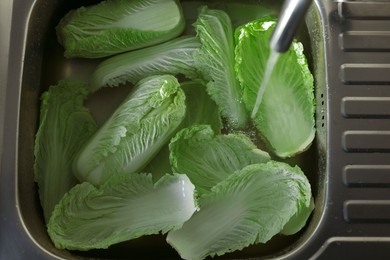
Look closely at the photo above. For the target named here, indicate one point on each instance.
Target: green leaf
(298, 221)
(250, 206)
(65, 125)
(285, 118)
(125, 207)
(240, 12)
(215, 60)
(208, 159)
(115, 26)
(173, 57)
(201, 109)
(159, 165)
(135, 132)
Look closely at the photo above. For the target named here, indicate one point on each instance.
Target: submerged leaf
(216, 61)
(285, 117)
(125, 207)
(115, 26)
(208, 159)
(173, 57)
(135, 132)
(65, 125)
(298, 221)
(250, 206)
(201, 109)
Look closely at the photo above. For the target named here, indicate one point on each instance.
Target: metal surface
(290, 18)
(348, 165)
(15, 241)
(5, 27)
(358, 213)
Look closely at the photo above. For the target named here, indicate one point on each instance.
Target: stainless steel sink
(352, 208)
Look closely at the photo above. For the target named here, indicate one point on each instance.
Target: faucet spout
(291, 16)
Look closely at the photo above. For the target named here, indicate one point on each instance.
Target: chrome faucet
(291, 16)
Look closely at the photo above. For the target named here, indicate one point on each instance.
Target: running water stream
(272, 59)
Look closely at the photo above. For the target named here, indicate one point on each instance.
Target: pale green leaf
(173, 57)
(285, 118)
(208, 158)
(65, 125)
(125, 207)
(250, 206)
(216, 61)
(135, 132)
(115, 26)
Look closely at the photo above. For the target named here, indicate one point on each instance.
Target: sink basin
(35, 61)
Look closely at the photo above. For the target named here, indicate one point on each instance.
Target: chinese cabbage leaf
(135, 132)
(207, 158)
(215, 60)
(201, 109)
(115, 26)
(173, 57)
(298, 221)
(65, 125)
(248, 207)
(125, 207)
(285, 118)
